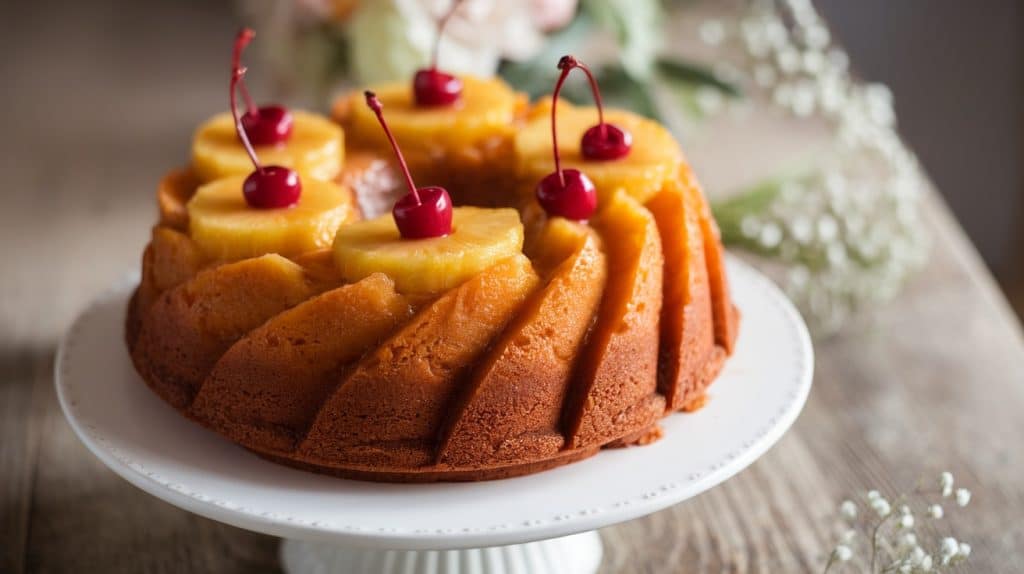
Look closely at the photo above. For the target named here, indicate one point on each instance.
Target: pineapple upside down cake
(557, 288)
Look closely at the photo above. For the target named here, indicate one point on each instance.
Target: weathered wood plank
(85, 518)
(930, 382)
(18, 441)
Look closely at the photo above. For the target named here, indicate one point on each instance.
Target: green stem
(831, 561)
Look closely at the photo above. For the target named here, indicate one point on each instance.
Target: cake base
(436, 473)
(334, 525)
(576, 554)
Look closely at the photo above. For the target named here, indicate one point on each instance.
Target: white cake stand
(543, 523)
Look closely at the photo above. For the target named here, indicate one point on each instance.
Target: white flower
(926, 563)
(946, 483)
(908, 540)
(906, 521)
(963, 496)
(950, 548)
(848, 509)
(712, 32)
(709, 100)
(391, 39)
(965, 550)
(881, 507)
(935, 511)
(874, 495)
(849, 263)
(843, 553)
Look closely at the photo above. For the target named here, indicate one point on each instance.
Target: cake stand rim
(397, 539)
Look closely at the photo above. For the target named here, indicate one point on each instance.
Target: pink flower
(551, 15)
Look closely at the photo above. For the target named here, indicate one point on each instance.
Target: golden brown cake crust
(534, 363)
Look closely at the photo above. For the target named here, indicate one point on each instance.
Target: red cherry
(268, 125)
(604, 141)
(571, 198)
(426, 214)
(265, 125)
(421, 213)
(272, 187)
(567, 193)
(266, 187)
(432, 87)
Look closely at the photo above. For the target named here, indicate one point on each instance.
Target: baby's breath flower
(709, 100)
(906, 521)
(881, 507)
(950, 548)
(963, 496)
(946, 484)
(890, 537)
(861, 239)
(843, 553)
(848, 509)
(712, 32)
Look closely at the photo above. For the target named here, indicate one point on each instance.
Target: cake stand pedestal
(541, 523)
(576, 554)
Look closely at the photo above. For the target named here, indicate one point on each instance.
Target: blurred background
(87, 82)
(960, 103)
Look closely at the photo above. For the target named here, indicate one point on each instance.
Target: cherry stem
(441, 24)
(245, 35)
(237, 76)
(566, 64)
(374, 104)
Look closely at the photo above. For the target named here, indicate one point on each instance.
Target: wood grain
(930, 382)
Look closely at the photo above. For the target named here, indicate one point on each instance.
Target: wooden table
(97, 104)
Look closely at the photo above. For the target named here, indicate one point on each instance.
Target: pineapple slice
(655, 156)
(316, 149)
(488, 107)
(480, 238)
(226, 228)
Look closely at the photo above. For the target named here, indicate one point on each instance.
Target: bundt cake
(517, 315)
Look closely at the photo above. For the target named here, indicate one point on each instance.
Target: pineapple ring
(488, 107)
(479, 239)
(225, 228)
(315, 149)
(654, 158)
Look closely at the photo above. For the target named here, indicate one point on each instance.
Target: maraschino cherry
(604, 141)
(267, 187)
(265, 125)
(565, 192)
(423, 212)
(432, 87)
